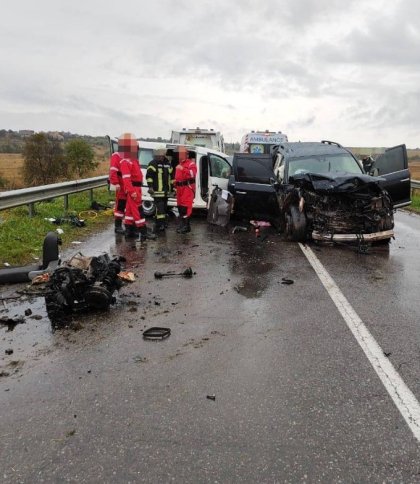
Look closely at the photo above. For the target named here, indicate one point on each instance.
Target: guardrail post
(31, 207)
(66, 203)
(91, 195)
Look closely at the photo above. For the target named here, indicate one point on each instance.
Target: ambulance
(261, 141)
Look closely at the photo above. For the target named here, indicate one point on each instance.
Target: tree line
(48, 160)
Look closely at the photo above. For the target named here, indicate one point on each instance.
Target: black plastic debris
(286, 281)
(156, 333)
(70, 219)
(211, 397)
(98, 206)
(187, 273)
(9, 351)
(11, 323)
(50, 260)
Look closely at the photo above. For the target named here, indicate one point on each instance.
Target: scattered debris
(4, 373)
(286, 281)
(72, 289)
(98, 206)
(41, 279)
(211, 397)
(11, 323)
(50, 260)
(387, 353)
(140, 359)
(239, 228)
(9, 351)
(156, 333)
(28, 312)
(127, 276)
(260, 223)
(70, 433)
(220, 207)
(71, 219)
(187, 273)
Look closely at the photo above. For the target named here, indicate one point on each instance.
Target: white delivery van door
(214, 170)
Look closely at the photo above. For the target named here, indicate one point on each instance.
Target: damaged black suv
(319, 190)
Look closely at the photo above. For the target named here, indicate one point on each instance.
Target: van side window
(219, 167)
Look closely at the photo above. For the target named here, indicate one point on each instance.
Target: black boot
(159, 226)
(118, 228)
(131, 231)
(188, 224)
(183, 227)
(144, 234)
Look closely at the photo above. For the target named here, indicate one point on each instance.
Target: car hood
(338, 182)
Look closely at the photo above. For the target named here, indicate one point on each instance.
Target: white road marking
(402, 396)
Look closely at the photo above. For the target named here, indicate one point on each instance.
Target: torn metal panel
(220, 207)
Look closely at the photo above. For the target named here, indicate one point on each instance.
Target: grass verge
(415, 204)
(21, 237)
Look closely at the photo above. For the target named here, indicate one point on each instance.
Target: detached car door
(393, 166)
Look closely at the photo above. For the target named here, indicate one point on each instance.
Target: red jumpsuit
(185, 184)
(115, 178)
(132, 178)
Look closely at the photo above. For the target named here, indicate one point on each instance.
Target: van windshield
(145, 157)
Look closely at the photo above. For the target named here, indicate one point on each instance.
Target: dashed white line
(402, 396)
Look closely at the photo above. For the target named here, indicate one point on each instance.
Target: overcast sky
(346, 70)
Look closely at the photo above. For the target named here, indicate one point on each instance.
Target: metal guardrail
(29, 196)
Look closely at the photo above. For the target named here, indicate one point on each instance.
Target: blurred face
(127, 144)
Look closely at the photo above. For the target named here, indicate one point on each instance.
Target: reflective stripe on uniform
(160, 180)
(114, 168)
(126, 176)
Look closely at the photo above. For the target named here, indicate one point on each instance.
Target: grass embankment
(415, 204)
(21, 237)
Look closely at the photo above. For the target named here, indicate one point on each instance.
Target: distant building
(26, 132)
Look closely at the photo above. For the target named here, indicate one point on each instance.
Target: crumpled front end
(348, 208)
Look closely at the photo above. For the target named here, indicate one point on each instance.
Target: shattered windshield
(322, 164)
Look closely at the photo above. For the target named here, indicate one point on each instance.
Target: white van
(206, 138)
(213, 169)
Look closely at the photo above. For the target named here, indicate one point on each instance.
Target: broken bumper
(386, 234)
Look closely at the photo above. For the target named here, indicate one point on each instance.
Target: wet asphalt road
(296, 400)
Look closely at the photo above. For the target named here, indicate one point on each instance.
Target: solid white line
(402, 396)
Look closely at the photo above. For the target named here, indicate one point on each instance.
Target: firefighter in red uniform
(185, 187)
(115, 179)
(132, 178)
